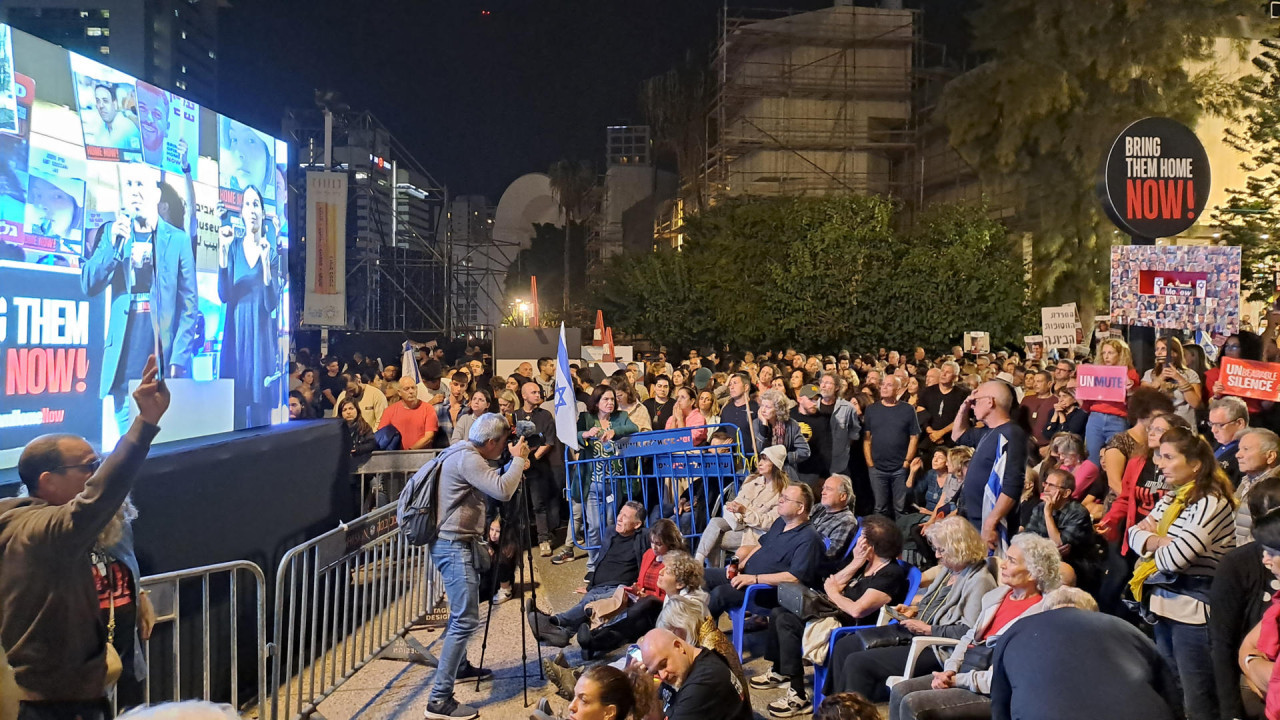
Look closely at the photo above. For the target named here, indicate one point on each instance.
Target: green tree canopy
(1061, 79)
(823, 273)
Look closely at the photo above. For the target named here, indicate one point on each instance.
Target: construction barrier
(666, 470)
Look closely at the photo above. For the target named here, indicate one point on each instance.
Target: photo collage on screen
(163, 220)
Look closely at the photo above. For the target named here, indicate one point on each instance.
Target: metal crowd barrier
(343, 599)
(659, 469)
(166, 592)
(385, 472)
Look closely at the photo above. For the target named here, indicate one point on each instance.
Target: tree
(823, 273)
(1251, 216)
(543, 259)
(1061, 80)
(572, 183)
(675, 106)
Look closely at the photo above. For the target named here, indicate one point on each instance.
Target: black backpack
(417, 510)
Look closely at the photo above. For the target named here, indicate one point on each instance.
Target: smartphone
(892, 612)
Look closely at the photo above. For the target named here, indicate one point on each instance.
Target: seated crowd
(921, 530)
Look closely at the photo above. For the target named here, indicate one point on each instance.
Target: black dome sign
(1155, 179)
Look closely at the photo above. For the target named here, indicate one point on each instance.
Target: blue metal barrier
(664, 470)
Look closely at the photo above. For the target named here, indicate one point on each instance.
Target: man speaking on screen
(151, 270)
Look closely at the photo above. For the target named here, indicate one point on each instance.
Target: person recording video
(470, 471)
(248, 285)
(151, 271)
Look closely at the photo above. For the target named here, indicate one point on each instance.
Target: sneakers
(449, 710)
(790, 706)
(564, 556)
(545, 548)
(768, 680)
(503, 595)
(467, 671)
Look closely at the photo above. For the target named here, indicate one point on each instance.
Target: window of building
(184, 34)
(93, 32)
(84, 13)
(181, 84)
(104, 50)
(213, 55)
(106, 13)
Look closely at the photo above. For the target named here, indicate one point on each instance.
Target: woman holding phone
(247, 286)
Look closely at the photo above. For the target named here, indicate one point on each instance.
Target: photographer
(541, 474)
(468, 474)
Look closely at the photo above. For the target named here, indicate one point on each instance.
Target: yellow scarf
(1146, 567)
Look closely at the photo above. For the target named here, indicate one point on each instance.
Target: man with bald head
(414, 419)
(993, 483)
(51, 624)
(697, 682)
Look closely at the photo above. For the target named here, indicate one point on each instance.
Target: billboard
(133, 221)
(1176, 287)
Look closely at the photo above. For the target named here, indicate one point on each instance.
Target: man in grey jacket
(846, 429)
(468, 474)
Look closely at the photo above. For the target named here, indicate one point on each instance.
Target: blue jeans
(1186, 649)
(462, 586)
(890, 490)
(1098, 430)
(573, 617)
(599, 509)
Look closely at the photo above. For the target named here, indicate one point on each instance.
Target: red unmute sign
(1251, 379)
(1101, 382)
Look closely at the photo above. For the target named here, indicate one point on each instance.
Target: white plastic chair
(918, 646)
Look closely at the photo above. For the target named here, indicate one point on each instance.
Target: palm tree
(572, 183)
(675, 105)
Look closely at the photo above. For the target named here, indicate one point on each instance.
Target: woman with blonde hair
(1107, 417)
(863, 660)
(751, 513)
(709, 407)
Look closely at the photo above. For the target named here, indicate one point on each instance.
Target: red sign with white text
(1172, 283)
(1247, 378)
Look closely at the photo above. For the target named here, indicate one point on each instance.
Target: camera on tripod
(527, 430)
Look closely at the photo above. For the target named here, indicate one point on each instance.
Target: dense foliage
(822, 273)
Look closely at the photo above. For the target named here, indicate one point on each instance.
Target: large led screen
(133, 221)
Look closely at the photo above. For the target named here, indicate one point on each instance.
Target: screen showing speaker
(133, 222)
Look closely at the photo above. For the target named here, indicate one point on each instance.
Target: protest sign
(1176, 287)
(1035, 346)
(1059, 325)
(977, 342)
(1101, 382)
(1247, 378)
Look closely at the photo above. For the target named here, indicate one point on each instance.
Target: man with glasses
(1064, 375)
(993, 484)
(50, 620)
(1228, 418)
(791, 551)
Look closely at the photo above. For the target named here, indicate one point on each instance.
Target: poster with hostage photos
(1176, 287)
(143, 212)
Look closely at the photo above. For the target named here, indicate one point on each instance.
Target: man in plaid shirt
(834, 520)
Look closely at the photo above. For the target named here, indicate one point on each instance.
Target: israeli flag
(566, 402)
(408, 363)
(991, 492)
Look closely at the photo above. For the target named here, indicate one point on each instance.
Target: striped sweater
(1201, 535)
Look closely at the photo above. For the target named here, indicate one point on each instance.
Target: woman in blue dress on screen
(247, 286)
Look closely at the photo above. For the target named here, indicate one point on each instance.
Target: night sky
(479, 99)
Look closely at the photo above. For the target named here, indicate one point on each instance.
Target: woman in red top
(1106, 418)
(1241, 346)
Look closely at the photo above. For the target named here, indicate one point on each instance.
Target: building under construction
(404, 272)
(813, 103)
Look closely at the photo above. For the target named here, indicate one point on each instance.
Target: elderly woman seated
(1030, 569)
(680, 575)
(862, 661)
(872, 580)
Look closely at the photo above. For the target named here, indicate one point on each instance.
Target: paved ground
(395, 689)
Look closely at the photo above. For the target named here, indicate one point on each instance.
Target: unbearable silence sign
(1156, 179)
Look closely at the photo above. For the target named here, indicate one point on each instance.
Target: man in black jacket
(621, 551)
(540, 476)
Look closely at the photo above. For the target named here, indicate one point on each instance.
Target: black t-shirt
(891, 428)
(890, 580)
(709, 692)
(659, 413)
(941, 408)
(816, 430)
(619, 565)
(336, 385)
(798, 551)
(546, 424)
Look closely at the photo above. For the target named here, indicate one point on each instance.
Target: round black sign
(1155, 179)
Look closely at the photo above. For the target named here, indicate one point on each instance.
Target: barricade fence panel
(340, 600)
(205, 618)
(673, 473)
(382, 475)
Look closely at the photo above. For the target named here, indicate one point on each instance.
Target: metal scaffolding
(403, 270)
(813, 103)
